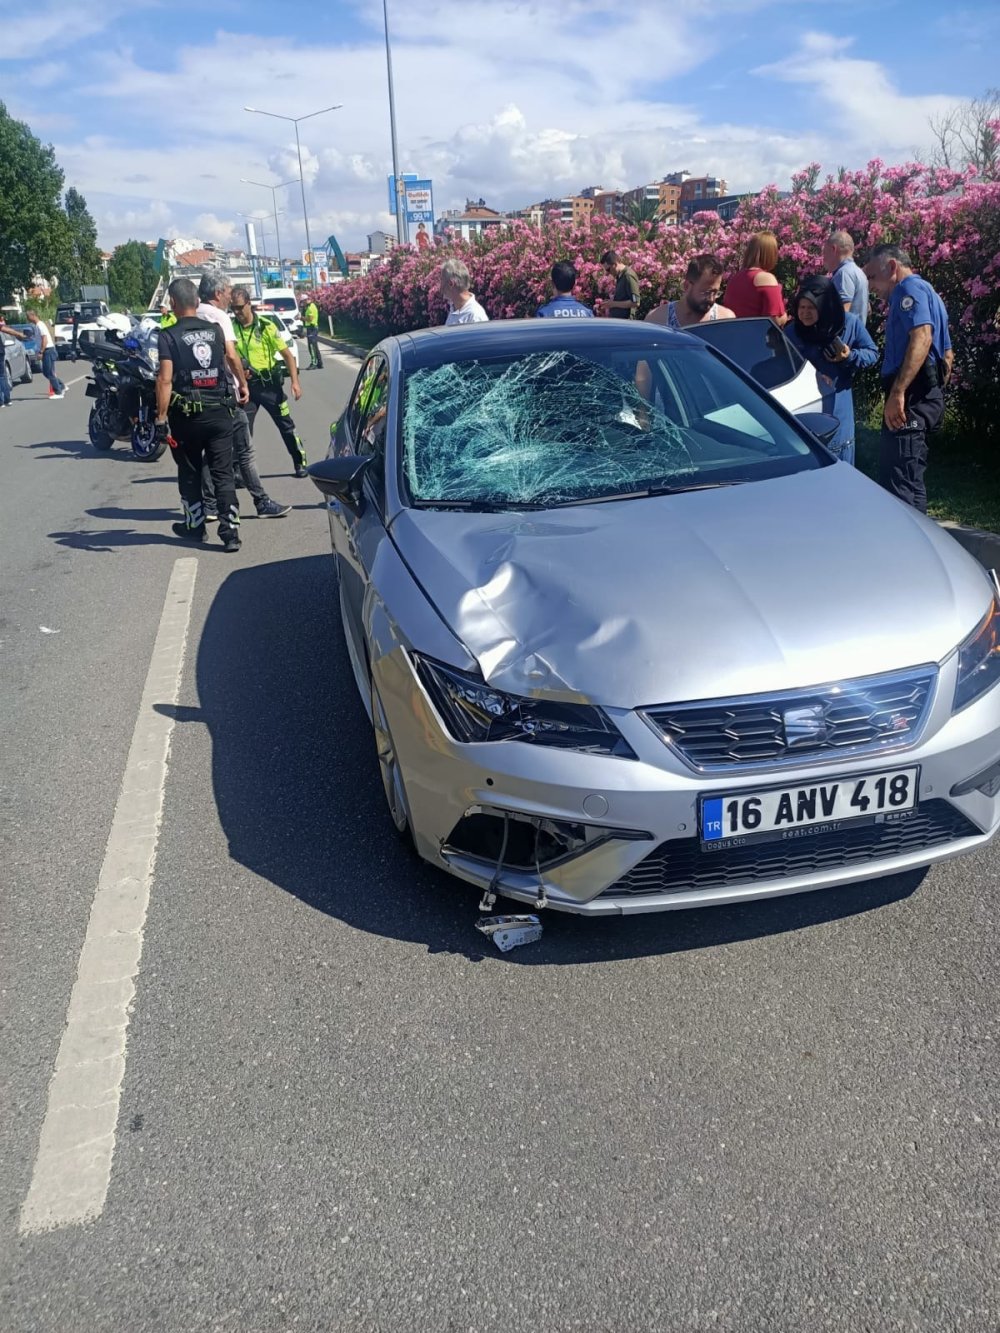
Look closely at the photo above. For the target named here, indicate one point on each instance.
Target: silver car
(630, 639)
(17, 367)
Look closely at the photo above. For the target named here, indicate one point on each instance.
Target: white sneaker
(60, 395)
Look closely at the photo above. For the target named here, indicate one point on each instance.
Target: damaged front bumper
(606, 836)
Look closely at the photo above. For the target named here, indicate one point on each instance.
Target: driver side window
(366, 413)
(366, 417)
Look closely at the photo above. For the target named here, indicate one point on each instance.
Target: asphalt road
(340, 1109)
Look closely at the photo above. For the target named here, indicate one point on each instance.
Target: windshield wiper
(666, 488)
(479, 506)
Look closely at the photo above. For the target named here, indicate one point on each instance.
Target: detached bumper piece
(512, 841)
(681, 864)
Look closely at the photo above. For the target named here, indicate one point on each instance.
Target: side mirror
(821, 425)
(341, 479)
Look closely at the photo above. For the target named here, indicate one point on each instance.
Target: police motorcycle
(123, 384)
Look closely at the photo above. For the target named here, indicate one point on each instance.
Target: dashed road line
(72, 1171)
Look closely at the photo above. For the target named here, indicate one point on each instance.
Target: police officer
(916, 366)
(310, 318)
(257, 345)
(194, 410)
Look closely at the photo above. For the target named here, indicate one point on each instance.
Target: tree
(34, 229)
(969, 136)
(132, 275)
(85, 261)
(644, 214)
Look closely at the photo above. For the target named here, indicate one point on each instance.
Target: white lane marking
(69, 1183)
(67, 383)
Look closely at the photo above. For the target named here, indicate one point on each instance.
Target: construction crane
(336, 254)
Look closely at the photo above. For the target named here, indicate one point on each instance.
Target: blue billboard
(407, 176)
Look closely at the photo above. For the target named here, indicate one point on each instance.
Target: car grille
(870, 715)
(680, 864)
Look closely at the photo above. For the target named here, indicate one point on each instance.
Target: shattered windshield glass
(562, 427)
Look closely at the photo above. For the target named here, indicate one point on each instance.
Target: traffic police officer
(916, 367)
(310, 318)
(194, 410)
(257, 345)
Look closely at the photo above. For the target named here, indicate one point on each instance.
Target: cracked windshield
(554, 428)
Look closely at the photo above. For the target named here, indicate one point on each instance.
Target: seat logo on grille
(805, 726)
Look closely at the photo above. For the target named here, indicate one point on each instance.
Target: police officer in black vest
(916, 366)
(195, 411)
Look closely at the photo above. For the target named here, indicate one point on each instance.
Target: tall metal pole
(401, 229)
(305, 214)
(298, 148)
(264, 185)
(277, 236)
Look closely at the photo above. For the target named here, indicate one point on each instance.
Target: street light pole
(401, 230)
(255, 260)
(298, 148)
(305, 213)
(274, 204)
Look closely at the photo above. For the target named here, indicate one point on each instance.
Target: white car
(90, 313)
(282, 301)
(287, 337)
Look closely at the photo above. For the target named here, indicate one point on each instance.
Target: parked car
(281, 324)
(89, 311)
(32, 345)
(760, 348)
(282, 301)
(16, 362)
(625, 654)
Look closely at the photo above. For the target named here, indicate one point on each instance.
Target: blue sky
(514, 100)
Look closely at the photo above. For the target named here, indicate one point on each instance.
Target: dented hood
(772, 585)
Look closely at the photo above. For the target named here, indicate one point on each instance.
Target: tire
(145, 446)
(99, 437)
(27, 377)
(392, 779)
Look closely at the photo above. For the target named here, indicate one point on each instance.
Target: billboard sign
(419, 196)
(407, 177)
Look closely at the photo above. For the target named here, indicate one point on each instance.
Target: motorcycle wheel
(99, 437)
(145, 446)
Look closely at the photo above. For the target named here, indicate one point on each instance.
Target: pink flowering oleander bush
(949, 222)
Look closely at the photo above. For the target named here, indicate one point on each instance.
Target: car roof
(510, 337)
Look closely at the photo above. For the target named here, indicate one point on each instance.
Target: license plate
(92, 391)
(807, 809)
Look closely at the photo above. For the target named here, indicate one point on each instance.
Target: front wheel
(145, 446)
(99, 437)
(27, 376)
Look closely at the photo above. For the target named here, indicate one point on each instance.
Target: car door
(357, 536)
(760, 348)
(13, 351)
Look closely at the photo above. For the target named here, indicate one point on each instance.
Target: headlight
(474, 711)
(979, 659)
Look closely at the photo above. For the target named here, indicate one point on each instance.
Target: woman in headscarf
(838, 345)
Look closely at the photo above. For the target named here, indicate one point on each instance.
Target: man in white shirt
(215, 292)
(48, 345)
(454, 286)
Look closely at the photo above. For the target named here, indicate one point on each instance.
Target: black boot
(189, 534)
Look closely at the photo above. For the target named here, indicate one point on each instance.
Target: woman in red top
(754, 290)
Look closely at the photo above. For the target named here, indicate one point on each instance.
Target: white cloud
(218, 230)
(868, 106)
(39, 29)
(514, 100)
